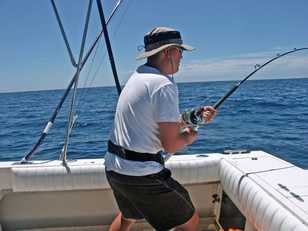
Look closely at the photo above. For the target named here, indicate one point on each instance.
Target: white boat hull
(50, 196)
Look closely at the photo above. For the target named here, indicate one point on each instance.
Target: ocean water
(269, 115)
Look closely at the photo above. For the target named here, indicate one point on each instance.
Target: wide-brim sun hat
(161, 38)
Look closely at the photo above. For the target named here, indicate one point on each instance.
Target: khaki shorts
(158, 198)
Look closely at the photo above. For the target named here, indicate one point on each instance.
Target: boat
(234, 190)
(247, 191)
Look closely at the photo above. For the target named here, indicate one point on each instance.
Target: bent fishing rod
(194, 117)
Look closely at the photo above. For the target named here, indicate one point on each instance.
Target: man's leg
(190, 225)
(120, 223)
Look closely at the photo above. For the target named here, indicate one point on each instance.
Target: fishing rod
(50, 123)
(194, 117)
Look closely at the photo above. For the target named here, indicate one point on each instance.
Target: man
(147, 121)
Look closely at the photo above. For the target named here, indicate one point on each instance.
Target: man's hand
(189, 135)
(173, 138)
(208, 113)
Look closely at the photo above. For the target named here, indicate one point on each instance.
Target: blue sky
(230, 38)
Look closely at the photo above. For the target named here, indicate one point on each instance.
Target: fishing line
(125, 10)
(85, 85)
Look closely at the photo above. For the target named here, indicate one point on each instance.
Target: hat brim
(155, 51)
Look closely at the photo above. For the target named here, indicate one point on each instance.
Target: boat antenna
(51, 120)
(108, 45)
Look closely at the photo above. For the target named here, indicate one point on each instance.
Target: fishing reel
(193, 118)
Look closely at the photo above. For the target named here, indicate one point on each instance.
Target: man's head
(163, 47)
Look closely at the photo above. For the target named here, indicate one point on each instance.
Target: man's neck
(159, 66)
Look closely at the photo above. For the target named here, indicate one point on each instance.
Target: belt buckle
(162, 159)
(123, 152)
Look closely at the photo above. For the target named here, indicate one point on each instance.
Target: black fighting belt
(136, 156)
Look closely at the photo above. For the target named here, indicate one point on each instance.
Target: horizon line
(180, 82)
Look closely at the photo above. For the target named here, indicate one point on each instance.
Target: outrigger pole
(69, 50)
(71, 117)
(108, 45)
(50, 123)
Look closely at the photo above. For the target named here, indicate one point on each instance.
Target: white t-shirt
(147, 99)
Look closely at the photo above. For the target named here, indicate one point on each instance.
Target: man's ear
(165, 52)
(168, 53)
